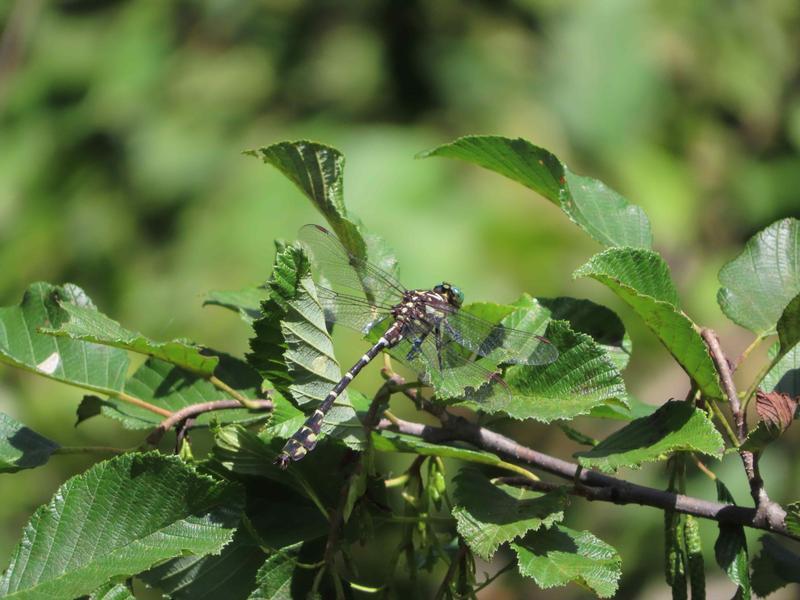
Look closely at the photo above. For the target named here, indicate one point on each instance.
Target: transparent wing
(443, 365)
(347, 273)
(504, 344)
(351, 311)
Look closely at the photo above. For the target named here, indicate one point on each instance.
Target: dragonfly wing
(347, 273)
(504, 344)
(443, 365)
(351, 311)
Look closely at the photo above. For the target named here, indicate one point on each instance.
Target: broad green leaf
(389, 441)
(788, 326)
(489, 515)
(292, 347)
(20, 447)
(758, 284)
(88, 324)
(774, 567)
(559, 555)
(112, 591)
(760, 437)
(600, 323)
(676, 426)
(784, 376)
(598, 210)
(241, 451)
(318, 171)
(730, 548)
(98, 368)
(117, 519)
(582, 378)
(247, 301)
(169, 387)
(641, 278)
(231, 574)
(275, 577)
(635, 409)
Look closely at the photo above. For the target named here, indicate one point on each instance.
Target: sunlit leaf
(293, 349)
(230, 574)
(784, 376)
(758, 284)
(389, 441)
(112, 591)
(488, 515)
(20, 447)
(559, 555)
(88, 324)
(582, 378)
(117, 519)
(641, 278)
(600, 211)
(91, 366)
(673, 427)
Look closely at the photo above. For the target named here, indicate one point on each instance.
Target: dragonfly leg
(415, 347)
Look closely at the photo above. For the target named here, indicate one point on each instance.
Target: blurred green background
(122, 123)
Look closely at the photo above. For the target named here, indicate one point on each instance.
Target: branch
(193, 410)
(767, 511)
(599, 486)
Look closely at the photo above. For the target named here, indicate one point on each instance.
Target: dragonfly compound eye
(457, 295)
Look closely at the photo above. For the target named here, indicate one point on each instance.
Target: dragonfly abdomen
(305, 439)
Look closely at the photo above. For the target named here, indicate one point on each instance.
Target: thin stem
(491, 579)
(221, 385)
(743, 356)
(724, 422)
(756, 382)
(703, 469)
(140, 403)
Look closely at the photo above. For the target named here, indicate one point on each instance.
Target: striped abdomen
(305, 438)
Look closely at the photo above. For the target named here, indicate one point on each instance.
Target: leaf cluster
(231, 523)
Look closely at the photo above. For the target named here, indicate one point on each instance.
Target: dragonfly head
(450, 293)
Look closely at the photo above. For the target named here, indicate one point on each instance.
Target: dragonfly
(424, 328)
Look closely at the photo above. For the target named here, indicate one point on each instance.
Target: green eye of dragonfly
(458, 295)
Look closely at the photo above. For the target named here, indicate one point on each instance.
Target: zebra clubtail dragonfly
(424, 328)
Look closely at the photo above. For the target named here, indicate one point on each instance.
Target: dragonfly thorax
(423, 309)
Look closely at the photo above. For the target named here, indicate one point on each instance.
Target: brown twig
(193, 410)
(611, 489)
(767, 511)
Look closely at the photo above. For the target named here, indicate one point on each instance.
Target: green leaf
(730, 549)
(489, 515)
(231, 574)
(20, 447)
(98, 368)
(88, 324)
(793, 518)
(292, 347)
(758, 284)
(389, 441)
(641, 278)
(112, 591)
(317, 171)
(117, 519)
(784, 376)
(676, 426)
(600, 323)
(598, 210)
(559, 555)
(774, 567)
(675, 554)
(582, 378)
(788, 326)
(247, 301)
(275, 577)
(760, 437)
